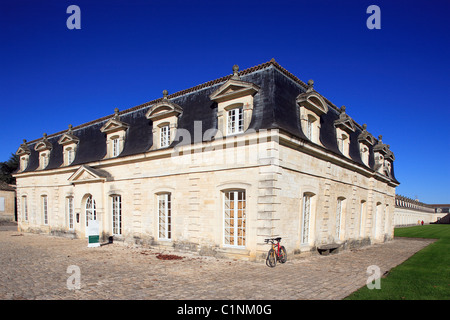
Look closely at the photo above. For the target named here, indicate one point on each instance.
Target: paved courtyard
(35, 266)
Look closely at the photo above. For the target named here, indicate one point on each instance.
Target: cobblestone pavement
(35, 266)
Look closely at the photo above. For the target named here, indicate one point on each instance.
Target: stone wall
(274, 173)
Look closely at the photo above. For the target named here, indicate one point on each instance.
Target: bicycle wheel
(271, 260)
(283, 255)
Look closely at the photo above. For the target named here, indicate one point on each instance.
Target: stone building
(410, 211)
(216, 169)
(7, 202)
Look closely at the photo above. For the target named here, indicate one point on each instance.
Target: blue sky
(395, 79)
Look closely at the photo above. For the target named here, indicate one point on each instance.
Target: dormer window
(383, 158)
(234, 105)
(24, 162)
(70, 143)
(164, 116)
(44, 148)
(115, 131)
(235, 120)
(365, 140)
(24, 153)
(311, 107)
(344, 127)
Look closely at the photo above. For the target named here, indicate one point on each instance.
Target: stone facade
(233, 167)
(7, 202)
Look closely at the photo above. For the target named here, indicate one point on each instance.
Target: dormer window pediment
(115, 131)
(344, 127)
(69, 142)
(344, 122)
(24, 154)
(365, 137)
(164, 116)
(365, 140)
(114, 124)
(311, 106)
(43, 145)
(312, 100)
(164, 109)
(234, 105)
(68, 137)
(383, 157)
(23, 149)
(390, 155)
(383, 149)
(233, 89)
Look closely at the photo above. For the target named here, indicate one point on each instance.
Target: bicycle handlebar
(271, 240)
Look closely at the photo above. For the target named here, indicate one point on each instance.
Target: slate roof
(274, 107)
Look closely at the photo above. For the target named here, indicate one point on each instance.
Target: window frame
(70, 157)
(43, 160)
(306, 218)
(115, 146)
(238, 228)
(24, 160)
(164, 136)
(70, 213)
(93, 209)
(362, 215)
(25, 208)
(44, 208)
(340, 203)
(166, 232)
(343, 143)
(116, 215)
(235, 118)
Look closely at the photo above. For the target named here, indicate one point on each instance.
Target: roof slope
(274, 107)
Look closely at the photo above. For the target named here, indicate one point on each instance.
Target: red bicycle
(276, 253)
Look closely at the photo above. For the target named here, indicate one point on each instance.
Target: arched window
(340, 210)
(306, 219)
(25, 208)
(362, 215)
